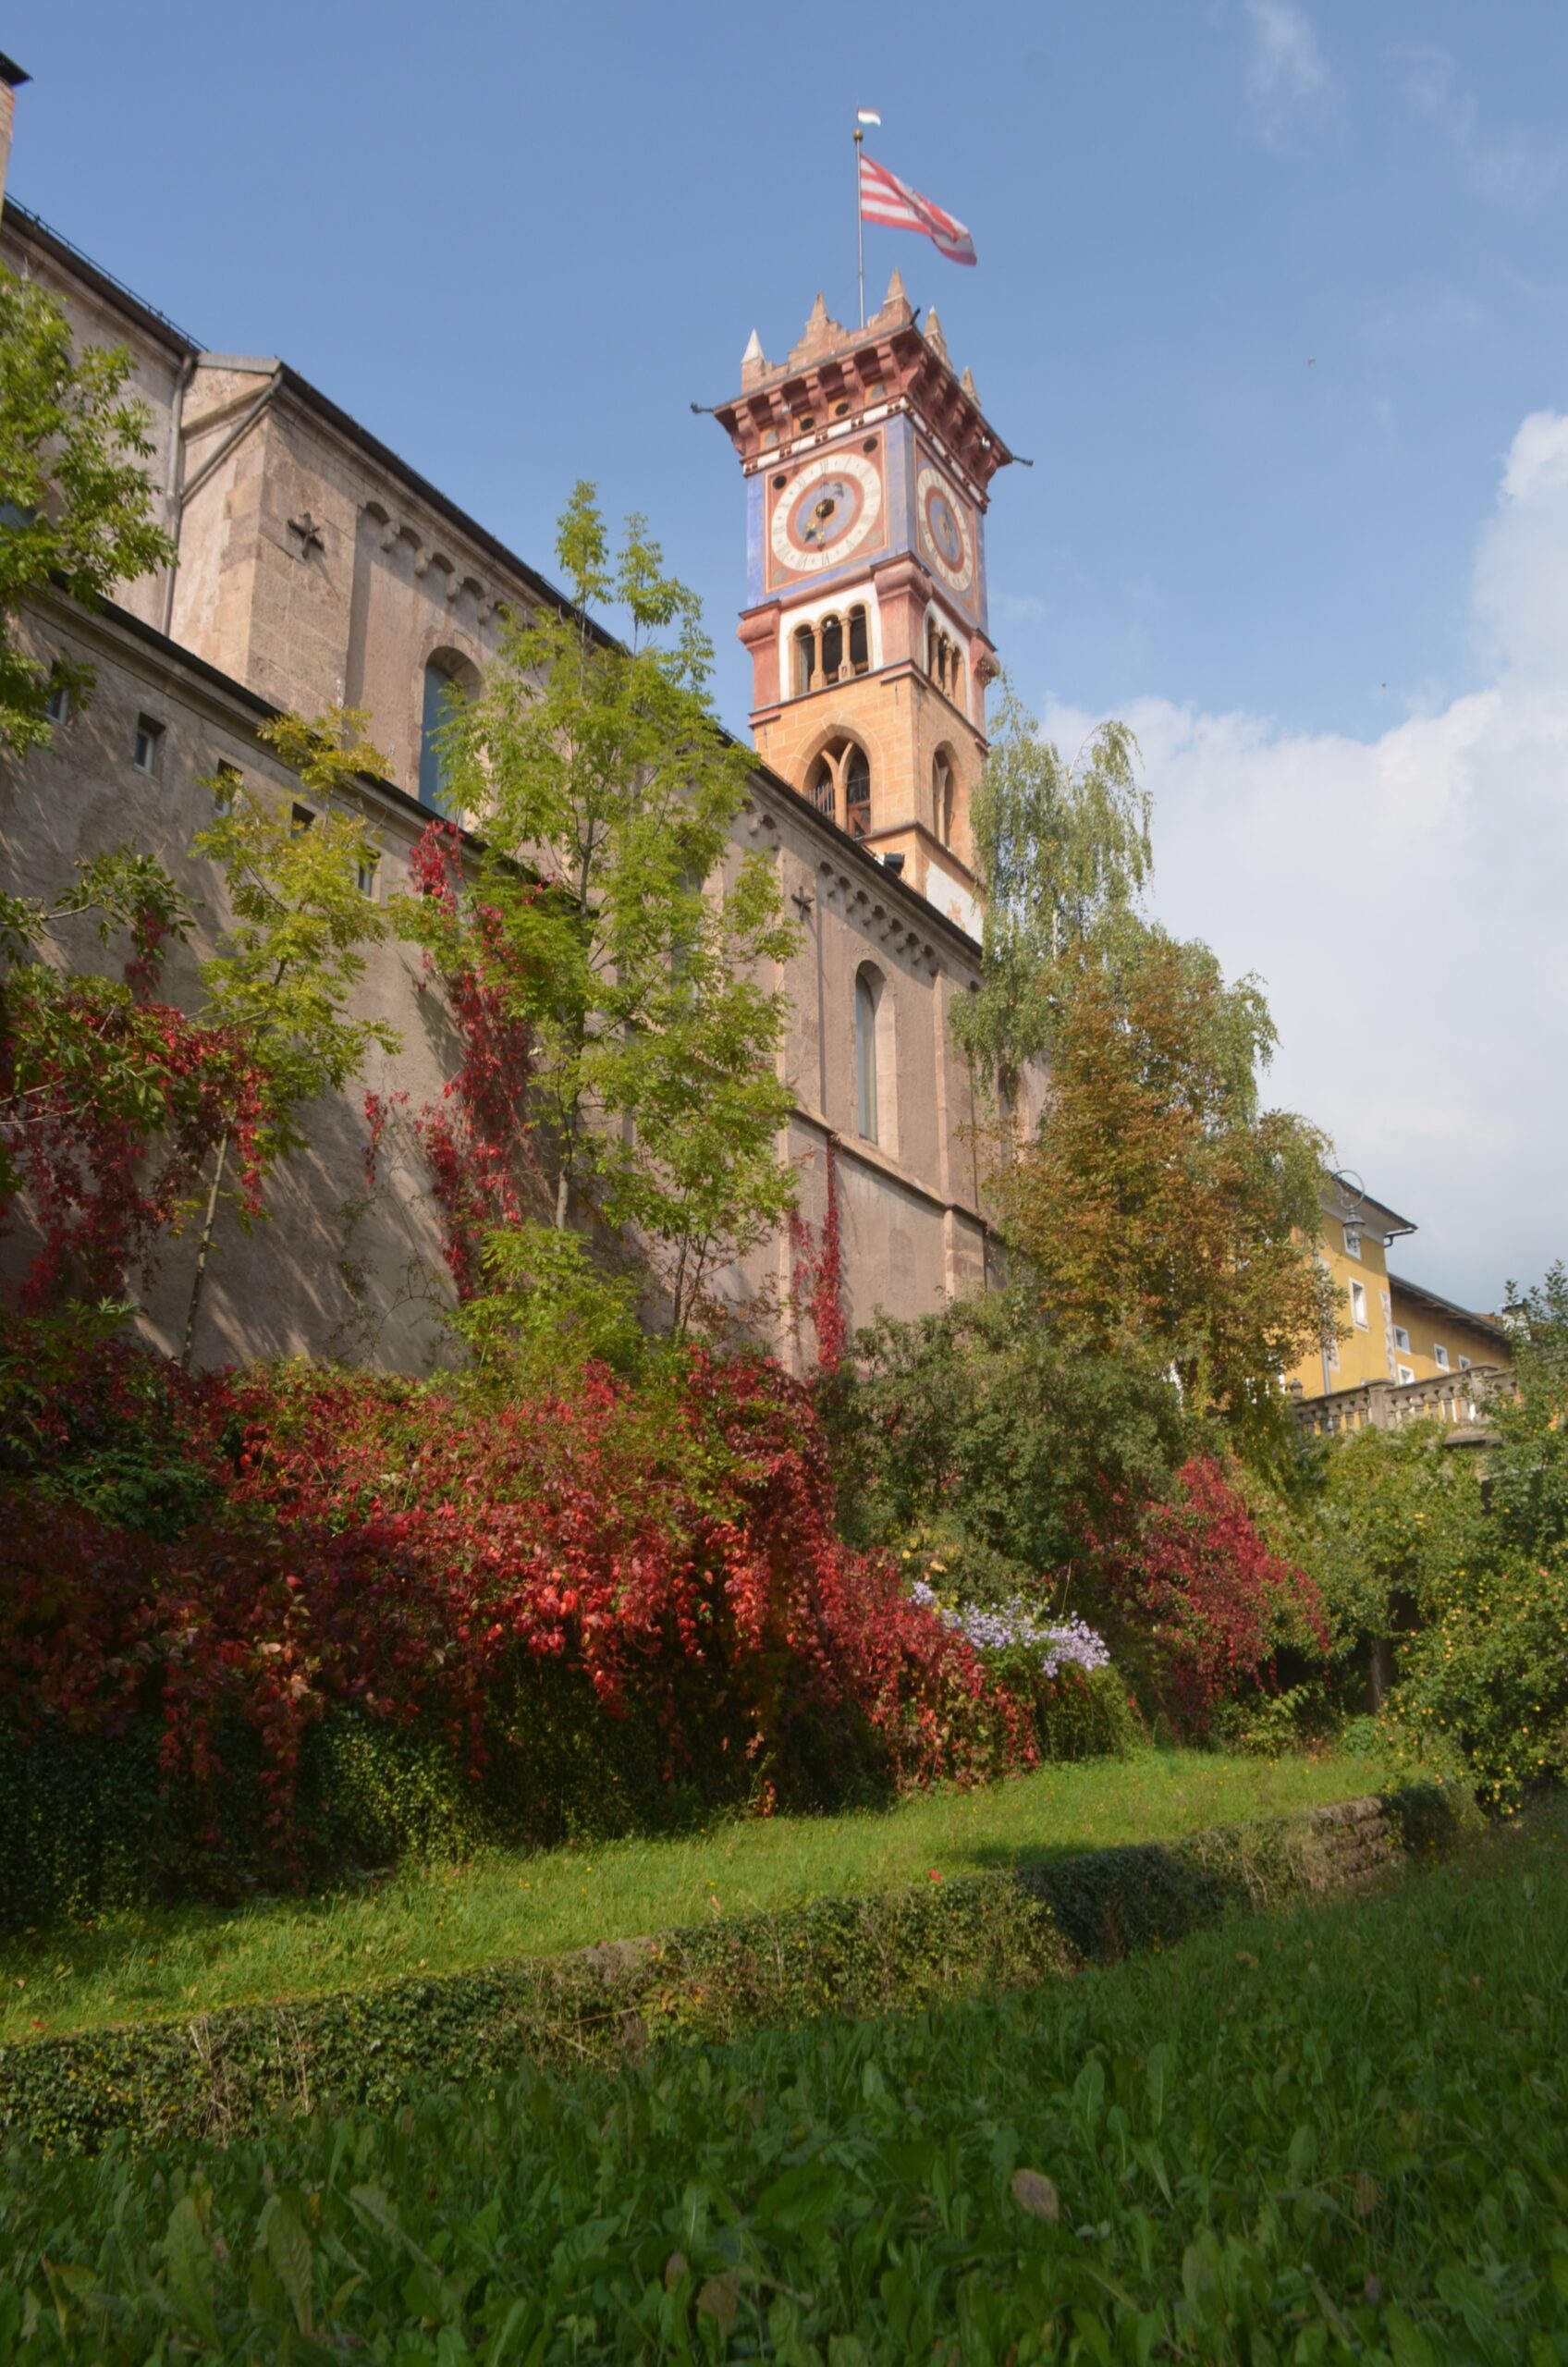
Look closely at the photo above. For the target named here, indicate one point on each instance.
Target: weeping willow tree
(1060, 848)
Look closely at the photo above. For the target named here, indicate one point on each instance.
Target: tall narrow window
(805, 659)
(860, 648)
(445, 669)
(866, 998)
(942, 799)
(832, 648)
(857, 794)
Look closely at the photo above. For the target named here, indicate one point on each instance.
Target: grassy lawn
(1341, 2135)
(138, 1966)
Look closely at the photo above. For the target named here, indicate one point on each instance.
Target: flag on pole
(886, 200)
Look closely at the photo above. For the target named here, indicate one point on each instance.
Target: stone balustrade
(1457, 1399)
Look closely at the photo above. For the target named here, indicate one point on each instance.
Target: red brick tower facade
(868, 465)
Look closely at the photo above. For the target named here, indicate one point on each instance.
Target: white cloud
(1287, 65)
(1403, 900)
(1510, 168)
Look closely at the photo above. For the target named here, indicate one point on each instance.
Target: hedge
(225, 2074)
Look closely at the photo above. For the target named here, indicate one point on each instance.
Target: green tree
(1013, 1449)
(1060, 849)
(1161, 1211)
(1529, 1467)
(281, 979)
(74, 497)
(631, 938)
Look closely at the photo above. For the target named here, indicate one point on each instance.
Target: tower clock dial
(824, 515)
(945, 534)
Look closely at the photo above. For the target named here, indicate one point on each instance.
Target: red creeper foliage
(819, 1273)
(386, 1549)
(476, 1139)
(1217, 1598)
(110, 1105)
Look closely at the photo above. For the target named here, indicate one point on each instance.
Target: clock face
(824, 515)
(944, 530)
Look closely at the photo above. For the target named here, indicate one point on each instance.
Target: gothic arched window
(822, 788)
(805, 659)
(868, 996)
(832, 648)
(857, 793)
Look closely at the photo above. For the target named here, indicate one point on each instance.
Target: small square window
(1463, 1363)
(58, 704)
(1402, 1338)
(1439, 1355)
(300, 817)
(1352, 1241)
(147, 745)
(227, 781)
(1358, 1305)
(1406, 1375)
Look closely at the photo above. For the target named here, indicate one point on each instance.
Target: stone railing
(1457, 1398)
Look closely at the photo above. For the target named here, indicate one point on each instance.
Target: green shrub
(1483, 1687)
(1081, 1714)
(975, 1423)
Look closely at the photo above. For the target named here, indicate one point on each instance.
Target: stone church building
(315, 568)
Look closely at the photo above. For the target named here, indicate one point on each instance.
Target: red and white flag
(886, 199)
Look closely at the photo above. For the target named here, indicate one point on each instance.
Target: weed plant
(1342, 2136)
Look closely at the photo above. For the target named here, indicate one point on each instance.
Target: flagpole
(860, 230)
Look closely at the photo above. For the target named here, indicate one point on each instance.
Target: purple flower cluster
(1061, 1643)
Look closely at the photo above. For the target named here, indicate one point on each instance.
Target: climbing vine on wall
(817, 1273)
(476, 1140)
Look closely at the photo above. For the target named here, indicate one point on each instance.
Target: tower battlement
(868, 464)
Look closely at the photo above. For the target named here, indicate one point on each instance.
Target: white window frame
(1358, 1312)
(1402, 1338)
(1463, 1363)
(1406, 1375)
(1440, 1356)
(148, 728)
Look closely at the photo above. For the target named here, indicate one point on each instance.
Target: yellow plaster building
(1389, 1329)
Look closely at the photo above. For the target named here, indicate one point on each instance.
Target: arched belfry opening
(838, 784)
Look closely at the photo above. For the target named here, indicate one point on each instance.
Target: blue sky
(1268, 292)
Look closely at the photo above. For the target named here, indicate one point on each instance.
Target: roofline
(264, 710)
(12, 73)
(928, 916)
(289, 380)
(1396, 1225)
(104, 283)
(1418, 1290)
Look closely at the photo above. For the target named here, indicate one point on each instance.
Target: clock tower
(868, 465)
